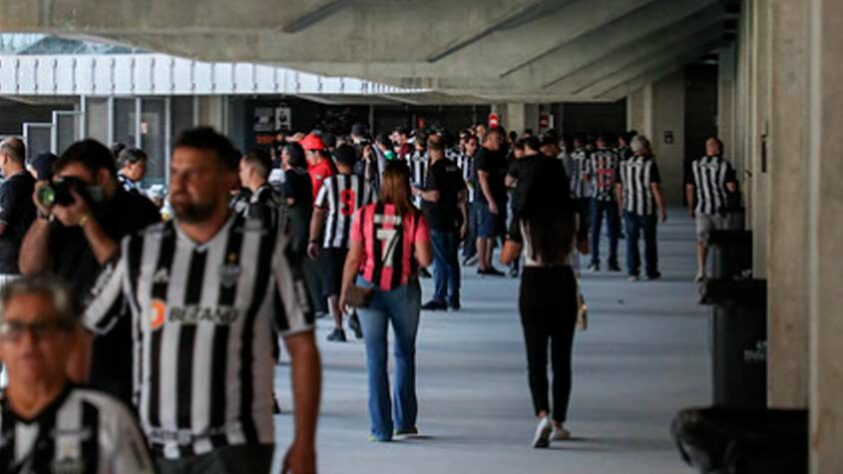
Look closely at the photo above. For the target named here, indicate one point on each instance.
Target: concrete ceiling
(489, 50)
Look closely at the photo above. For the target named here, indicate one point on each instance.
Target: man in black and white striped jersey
(604, 164)
(578, 167)
(419, 162)
(206, 292)
(465, 162)
(47, 424)
(707, 190)
(639, 195)
(340, 197)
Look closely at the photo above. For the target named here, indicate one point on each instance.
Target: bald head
(13, 149)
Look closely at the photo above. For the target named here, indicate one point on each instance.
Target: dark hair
(346, 155)
(116, 148)
(532, 143)
(383, 139)
(519, 144)
(528, 131)
(513, 135)
(435, 143)
(91, 154)
(297, 156)
(43, 166)
(395, 187)
(547, 213)
(206, 138)
(129, 156)
(260, 159)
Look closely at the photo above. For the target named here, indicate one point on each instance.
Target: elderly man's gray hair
(62, 296)
(639, 142)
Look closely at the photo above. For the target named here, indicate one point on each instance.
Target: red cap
(313, 142)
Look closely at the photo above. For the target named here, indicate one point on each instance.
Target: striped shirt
(579, 170)
(419, 163)
(465, 163)
(710, 176)
(342, 195)
(389, 241)
(81, 431)
(604, 173)
(128, 184)
(203, 319)
(637, 175)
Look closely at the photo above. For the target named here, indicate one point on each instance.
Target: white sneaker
(560, 434)
(700, 277)
(543, 432)
(633, 278)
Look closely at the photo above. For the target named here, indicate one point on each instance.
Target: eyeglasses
(14, 330)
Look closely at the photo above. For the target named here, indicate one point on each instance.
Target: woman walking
(390, 241)
(544, 232)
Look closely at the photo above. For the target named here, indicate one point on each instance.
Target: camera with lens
(58, 192)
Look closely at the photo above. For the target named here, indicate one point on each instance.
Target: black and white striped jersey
(419, 163)
(710, 176)
(82, 431)
(465, 163)
(604, 174)
(342, 195)
(637, 175)
(579, 169)
(264, 204)
(203, 321)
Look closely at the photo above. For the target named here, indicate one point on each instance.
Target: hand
(463, 231)
(662, 215)
(583, 247)
(493, 208)
(72, 214)
(299, 460)
(312, 250)
(416, 191)
(45, 210)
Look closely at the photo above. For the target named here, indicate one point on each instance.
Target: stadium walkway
(643, 358)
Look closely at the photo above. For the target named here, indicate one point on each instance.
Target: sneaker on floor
(491, 271)
(379, 439)
(337, 335)
(454, 305)
(560, 434)
(699, 278)
(654, 276)
(354, 324)
(435, 305)
(406, 434)
(543, 432)
(633, 278)
(470, 261)
(614, 267)
(594, 267)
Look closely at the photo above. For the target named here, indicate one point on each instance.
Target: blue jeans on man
(613, 222)
(399, 307)
(446, 266)
(636, 225)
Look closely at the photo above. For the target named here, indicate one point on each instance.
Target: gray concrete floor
(643, 358)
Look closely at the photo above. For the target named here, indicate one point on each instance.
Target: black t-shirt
(297, 185)
(17, 211)
(74, 261)
(444, 176)
(494, 163)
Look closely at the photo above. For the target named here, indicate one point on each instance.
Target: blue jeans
(635, 226)
(446, 265)
(400, 307)
(613, 222)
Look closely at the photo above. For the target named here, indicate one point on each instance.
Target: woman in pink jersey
(390, 240)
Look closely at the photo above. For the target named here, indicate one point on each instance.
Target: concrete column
(519, 116)
(787, 234)
(759, 130)
(639, 111)
(212, 112)
(726, 100)
(667, 133)
(744, 117)
(825, 242)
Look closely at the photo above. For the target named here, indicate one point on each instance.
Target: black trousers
(250, 458)
(548, 304)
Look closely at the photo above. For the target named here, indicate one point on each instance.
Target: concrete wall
(668, 117)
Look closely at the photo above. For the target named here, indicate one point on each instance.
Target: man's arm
(306, 375)
(486, 189)
(462, 203)
(79, 214)
(619, 196)
(689, 196)
(34, 252)
(657, 194)
(316, 222)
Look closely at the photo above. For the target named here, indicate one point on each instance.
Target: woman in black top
(544, 231)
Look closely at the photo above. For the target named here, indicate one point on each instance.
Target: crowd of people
(173, 303)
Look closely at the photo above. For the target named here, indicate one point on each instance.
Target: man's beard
(194, 213)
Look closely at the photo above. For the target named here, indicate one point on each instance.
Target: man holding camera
(82, 215)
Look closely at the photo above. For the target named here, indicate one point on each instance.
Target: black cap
(43, 165)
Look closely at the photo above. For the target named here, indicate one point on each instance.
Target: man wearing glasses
(47, 423)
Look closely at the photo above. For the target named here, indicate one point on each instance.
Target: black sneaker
(337, 335)
(435, 305)
(491, 271)
(424, 273)
(654, 276)
(354, 324)
(454, 305)
(614, 267)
